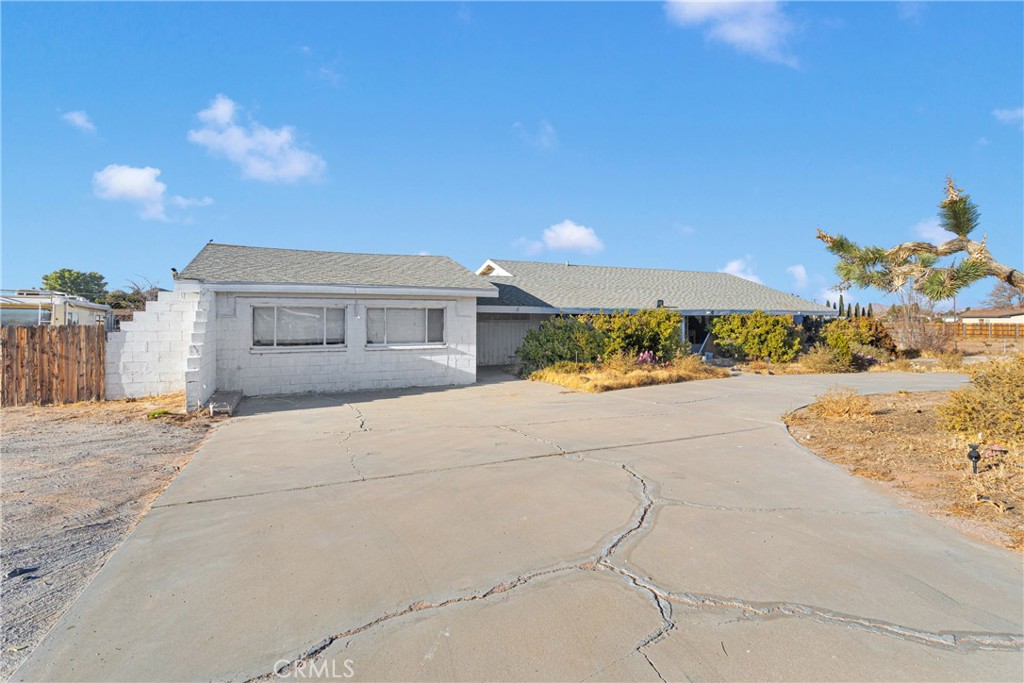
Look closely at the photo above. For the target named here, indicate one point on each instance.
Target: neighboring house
(530, 292)
(278, 321)
(993, 315)
(44, 307)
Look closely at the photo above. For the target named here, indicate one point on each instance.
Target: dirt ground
(901, 444)
(74, 482)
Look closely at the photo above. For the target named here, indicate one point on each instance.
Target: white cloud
(742, 267)
(910, 11)
(262, 153)
(569, 236)
(544, 137)
(564, 236)
(1010, 117)
(757, 28)
(799, 274)
(80, 120)
(140, 186)
(189, 202)
(930, 231)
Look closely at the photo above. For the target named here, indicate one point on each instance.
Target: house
(275, 321)
(45, 307)
(993, 315)
(257, 321)
(530, 292)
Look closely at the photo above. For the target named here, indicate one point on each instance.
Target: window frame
(278, 348)
(426, 328)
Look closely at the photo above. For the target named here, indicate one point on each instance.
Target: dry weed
(600, 378)
(842, 403)
(905, 445)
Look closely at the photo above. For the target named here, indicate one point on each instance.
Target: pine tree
(842, 307)
(871, 313)
(915, 263)
(856, 311)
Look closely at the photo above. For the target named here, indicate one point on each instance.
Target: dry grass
(170, 406)
(623, 375)
(904, 444)
(842, 403)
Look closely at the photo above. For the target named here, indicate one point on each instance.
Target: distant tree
(1004, 296)
(90, 286)
(856, 310)
(871, 313)
(842, 307)
(915, 263)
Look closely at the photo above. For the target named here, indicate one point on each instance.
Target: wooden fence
(986, 330)
(60, 364)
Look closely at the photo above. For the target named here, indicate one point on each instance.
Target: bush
(842, 403)
(655, 330)
(846, 337)
(821, 359)
(992, 404)
(952, 360)
(757, 336)
(559, 339)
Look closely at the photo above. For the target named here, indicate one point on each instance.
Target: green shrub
(992, 404)
(843, 336)
(656, 330)
(559, 339)
(757, 336)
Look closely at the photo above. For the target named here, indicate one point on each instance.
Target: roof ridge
(320, 251)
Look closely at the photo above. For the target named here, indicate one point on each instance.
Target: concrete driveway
(511, 531)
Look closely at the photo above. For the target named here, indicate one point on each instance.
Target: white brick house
(279, 321)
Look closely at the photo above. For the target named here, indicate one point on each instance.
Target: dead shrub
(620, 362)
(821, 359)
(841, 403)
(951, 360)
(596, 378)
(991, 405)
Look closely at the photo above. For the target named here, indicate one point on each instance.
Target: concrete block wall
(201, 353)
(147, 357)
(256, 371)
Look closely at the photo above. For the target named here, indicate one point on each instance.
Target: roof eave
(335, 289)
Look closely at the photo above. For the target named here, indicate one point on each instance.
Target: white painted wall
(256, 371)
(147, 357)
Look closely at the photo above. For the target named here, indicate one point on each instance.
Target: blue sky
(680, 135)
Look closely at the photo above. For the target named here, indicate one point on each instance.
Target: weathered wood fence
(60, 364)
(986, 330)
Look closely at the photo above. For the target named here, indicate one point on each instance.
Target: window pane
(435, 325)
(262, 326)
(335, 325)
(406, 326)
(300, 326)
(375, 325)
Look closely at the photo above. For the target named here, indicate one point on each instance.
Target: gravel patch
(74, 482)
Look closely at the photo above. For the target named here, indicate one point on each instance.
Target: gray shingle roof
(568, 287)
(226, 263)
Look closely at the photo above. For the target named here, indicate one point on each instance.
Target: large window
(404, 325)
(281, 326)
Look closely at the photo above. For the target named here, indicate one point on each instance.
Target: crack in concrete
(549, 442)
(640, 517)
(313, 653)
(360, 419)
(663, 599)
(731, 508)
(651, 664)
(416, 473)
(761, 610)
